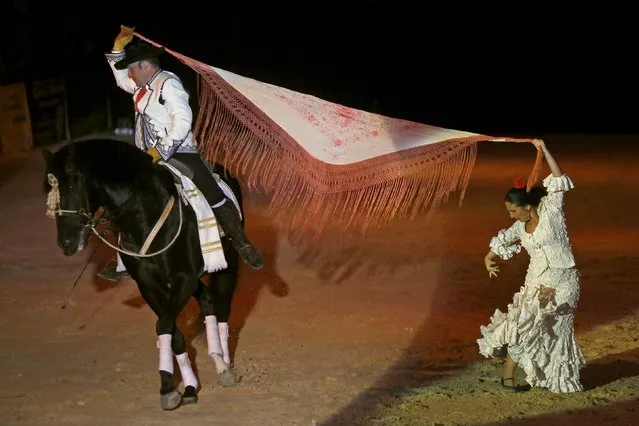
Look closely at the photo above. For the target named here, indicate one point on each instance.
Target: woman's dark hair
(521, 198)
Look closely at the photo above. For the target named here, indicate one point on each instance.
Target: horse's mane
(116, 163)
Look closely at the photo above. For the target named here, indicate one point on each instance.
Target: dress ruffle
(503, 251)
(537, 340)
(502, 247)
(557, 184)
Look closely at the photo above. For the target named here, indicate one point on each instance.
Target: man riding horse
(163, 120)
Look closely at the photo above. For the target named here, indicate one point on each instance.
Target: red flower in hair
(519, 183)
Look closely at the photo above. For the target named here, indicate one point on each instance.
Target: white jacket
(163, 118)
(549, 245)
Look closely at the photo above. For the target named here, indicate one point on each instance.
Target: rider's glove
(153, 152)
(124, 38)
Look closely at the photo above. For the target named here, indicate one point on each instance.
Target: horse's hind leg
(223, 285)
(216, 335)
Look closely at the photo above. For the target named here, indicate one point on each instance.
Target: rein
(53, 210)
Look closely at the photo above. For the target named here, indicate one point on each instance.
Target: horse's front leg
(182, 289)
(216, 335)
(170, 341)
(178, 345)
(150, 291)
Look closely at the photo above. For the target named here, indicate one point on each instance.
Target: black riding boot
(228, 218)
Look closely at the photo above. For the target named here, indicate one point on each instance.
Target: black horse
(134, 193)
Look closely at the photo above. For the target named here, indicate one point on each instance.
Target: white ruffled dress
(539, 334)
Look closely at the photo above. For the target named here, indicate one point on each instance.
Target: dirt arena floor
(380, 333)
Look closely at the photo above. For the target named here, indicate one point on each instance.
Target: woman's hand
(539, 144)
(554, 167)
(491, 265)
(546, 296)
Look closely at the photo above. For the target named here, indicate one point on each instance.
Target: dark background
(513, 70)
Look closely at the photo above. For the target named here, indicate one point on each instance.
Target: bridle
(92, 220)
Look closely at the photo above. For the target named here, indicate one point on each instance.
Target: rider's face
(140, 72)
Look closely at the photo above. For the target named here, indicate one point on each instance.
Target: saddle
(217, 175)
(186, 171)
(182, 168)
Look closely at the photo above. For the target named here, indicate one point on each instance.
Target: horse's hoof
(170, 401)
(190, 396)
(228, 378)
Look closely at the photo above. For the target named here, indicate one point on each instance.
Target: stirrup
(110, 273)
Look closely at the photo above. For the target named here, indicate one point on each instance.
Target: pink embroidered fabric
(323, 164)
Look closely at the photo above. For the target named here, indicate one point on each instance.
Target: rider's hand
(491, 266)
(153, 152)
(124, 38)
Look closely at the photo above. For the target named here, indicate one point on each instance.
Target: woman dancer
(537, 331)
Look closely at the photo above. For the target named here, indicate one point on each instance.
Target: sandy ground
(379, 333)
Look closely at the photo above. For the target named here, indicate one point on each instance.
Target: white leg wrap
(212, 335)
(188, 376)
(213, 340)
(166, 353)
(223, 329)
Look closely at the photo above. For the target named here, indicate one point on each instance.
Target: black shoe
(514, 387)
(111, 274)
(227, 216)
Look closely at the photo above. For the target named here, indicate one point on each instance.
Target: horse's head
(68, 200)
